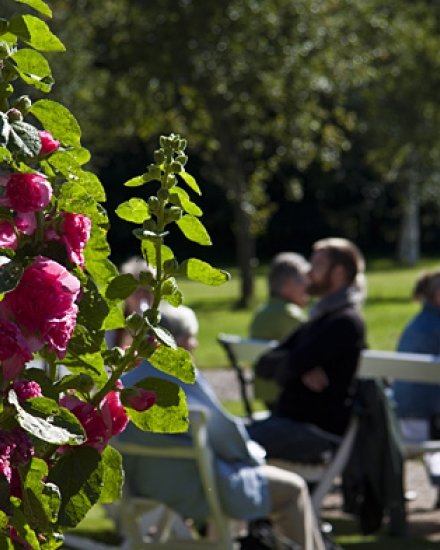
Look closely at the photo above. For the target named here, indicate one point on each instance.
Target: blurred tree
(254, 85)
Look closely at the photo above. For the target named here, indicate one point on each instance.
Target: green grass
(387, 310)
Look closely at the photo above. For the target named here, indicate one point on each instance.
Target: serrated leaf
(190, 182)
(181, 198)
(194, 230)
(121, 287)
(135, 182)
(20, 522)
(10, 275)
(24, 139)
(36, 33)
(175, 299)
(176, 362)
(115, 319)
(169, 414)
(41, 501)
(38, 5)
(134, 210)
(33, 69)
(79, 476)
(58, 120)
(197, 270)
(149, 253)
(113, 477)
(90, 363)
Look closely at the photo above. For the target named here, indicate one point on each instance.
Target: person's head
(182, 323)
(141, 299)
(287, 278)
(427, 288)
(335, 263)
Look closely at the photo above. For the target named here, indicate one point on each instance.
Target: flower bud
(5, 49)
(135, 322)
(23, 104)
(173, 214)
(138, 398)
(163, 194)
(153, 204)
(169, 286)
(171, 266)
(14, 115)
(176, 167)
(159, 156)
(48, 144)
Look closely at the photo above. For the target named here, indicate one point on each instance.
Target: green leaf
(38, 5)
(36, 33)
(79, 476)
(24, 139)
(190, 182)
(164, 336)
(33, 69)
(10, 275)
(58, 120)
(45, 419)
(122, 286)
(194, 230)
(135, 182)
(134, 210)
(181, 198)
(82, 382)
(168, 415)
(176, 362)
(113, 478)
(41, 501)
(20, 522)
(5, 155)
(149, 252)
(90, 363)
(197, 270)
(5, 129)
(115, 319)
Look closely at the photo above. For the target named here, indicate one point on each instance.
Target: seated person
(320, 359)
(418, 404)
(283, 312)
(248, 488)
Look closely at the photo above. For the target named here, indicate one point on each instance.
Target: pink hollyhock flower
(8, 237)
(14, 349)
(26, 223)
(25, 389)
(48, 143)
(43, 303)
(138, 399)
(75, 235)
(26, 192)
(15, 449)
(114, 413)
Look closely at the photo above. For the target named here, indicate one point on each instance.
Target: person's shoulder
(294, 311)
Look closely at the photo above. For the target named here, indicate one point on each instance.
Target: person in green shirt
(283, 312)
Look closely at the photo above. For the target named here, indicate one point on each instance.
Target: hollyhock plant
(14, 349)
(74, 233)
(26, 192)
(43, 303)
(48, 143)
(26, 223)
(25, 389)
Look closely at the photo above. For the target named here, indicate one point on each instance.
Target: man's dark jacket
(333, 342)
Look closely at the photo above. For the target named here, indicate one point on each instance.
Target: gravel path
(423, 518)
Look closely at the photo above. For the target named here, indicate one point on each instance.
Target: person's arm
(339, 338)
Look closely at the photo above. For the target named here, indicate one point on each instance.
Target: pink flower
(14, 350)
(43, 304)
(138, 399)
(25, 389)
(26, 192)
(114, 413)
(75, 235)
(48, 144)
(97, 431)
(15, 449)
(8, 237)
(26, 223)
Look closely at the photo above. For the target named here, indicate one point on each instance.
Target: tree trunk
(409, 238)
(245, 248)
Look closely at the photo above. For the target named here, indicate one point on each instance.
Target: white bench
(243, 353)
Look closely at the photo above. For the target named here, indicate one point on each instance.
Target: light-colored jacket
(243, 490)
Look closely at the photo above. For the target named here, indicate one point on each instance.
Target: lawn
(388, 307)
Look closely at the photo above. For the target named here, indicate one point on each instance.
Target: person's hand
(315, 379)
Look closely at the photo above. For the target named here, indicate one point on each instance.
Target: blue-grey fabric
(242, 488)
(421, 335)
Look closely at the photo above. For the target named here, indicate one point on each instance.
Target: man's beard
(320, 288)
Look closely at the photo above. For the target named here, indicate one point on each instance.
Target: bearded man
(320, 358)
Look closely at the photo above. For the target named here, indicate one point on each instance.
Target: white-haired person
(249, 489)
